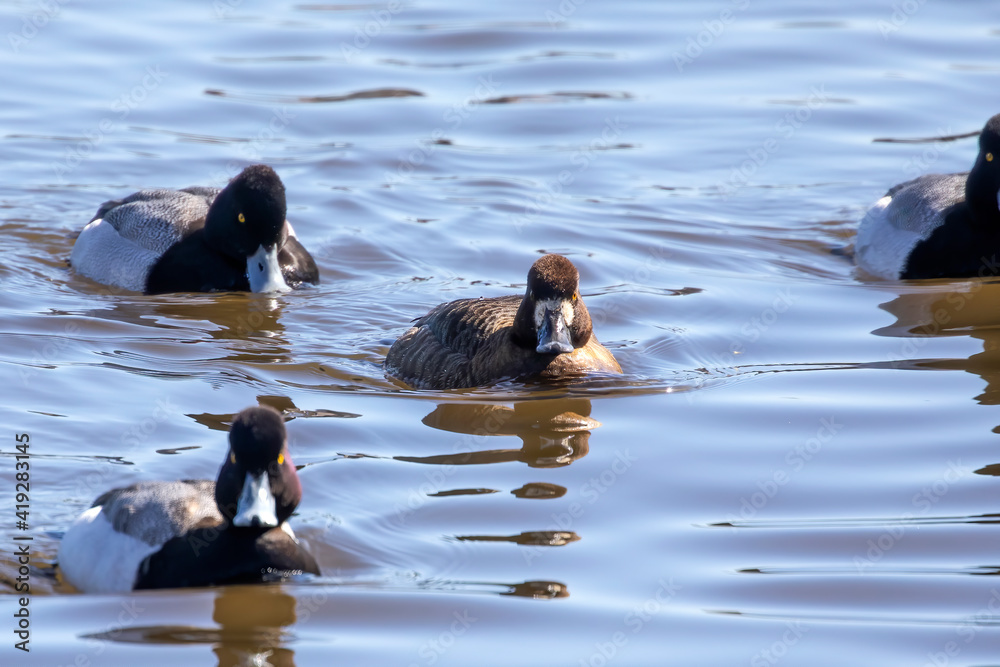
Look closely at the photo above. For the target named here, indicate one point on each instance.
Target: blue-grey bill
(264, 271)
(256, 505)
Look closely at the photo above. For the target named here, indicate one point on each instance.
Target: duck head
(982, 188)
(552, 318)
(247, 222)
(257, 485)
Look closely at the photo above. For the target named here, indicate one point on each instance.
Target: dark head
(552, 318)
(257, 485)
(982, 189)
(247, 222)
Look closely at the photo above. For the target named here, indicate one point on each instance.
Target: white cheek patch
(568, 312)
(563, 305)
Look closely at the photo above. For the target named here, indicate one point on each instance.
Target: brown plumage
(547, 333)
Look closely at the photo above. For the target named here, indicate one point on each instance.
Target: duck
(193, 533)
(197, 239)
(547, 333)
(937, 225)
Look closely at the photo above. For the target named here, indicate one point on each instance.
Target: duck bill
(553, 334)
(256, 505)
(264, 271)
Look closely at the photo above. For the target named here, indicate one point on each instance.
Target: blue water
(778, 478)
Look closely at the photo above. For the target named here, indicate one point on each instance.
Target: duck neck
(523, 331)
(981, 195)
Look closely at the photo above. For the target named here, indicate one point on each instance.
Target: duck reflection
(252, 622)
(251, 321)
(252, 628)
(966, 308)
(539, 590)
(283, 404)
(554, 433)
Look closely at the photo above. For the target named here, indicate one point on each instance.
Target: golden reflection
(940, 309)
(530, 538)
(539, 590)
(252, 628)
(554, 433)
(252, 622)
(251, 321)
(283, 404)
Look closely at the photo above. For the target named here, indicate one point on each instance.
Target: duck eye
(281, 459)
(232, 458)
(989, 157)
(241, 218)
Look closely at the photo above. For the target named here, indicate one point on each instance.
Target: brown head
(552, 318)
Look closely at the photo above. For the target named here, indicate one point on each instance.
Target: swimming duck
(197, 239)
(196, 532)
(547, 333)
(938, 225)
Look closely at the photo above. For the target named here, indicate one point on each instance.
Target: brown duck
(547, 333)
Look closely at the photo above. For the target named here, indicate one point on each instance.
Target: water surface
(797, 467)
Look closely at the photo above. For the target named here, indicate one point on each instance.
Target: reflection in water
(942, 309)
(555, 432)
(234, 315)
(251, 628)
(248, 323)
(283, 404)
(539, 590)
(531, 538)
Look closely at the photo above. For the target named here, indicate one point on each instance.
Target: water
(778, 478)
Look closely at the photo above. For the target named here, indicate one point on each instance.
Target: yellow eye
(281, 459)
(989, 157)
(241, 218)
(575, 297)
(232, 457)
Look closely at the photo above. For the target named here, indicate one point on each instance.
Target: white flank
(882, 249)
(102, 254)
(96, 558)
